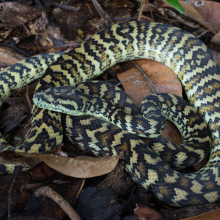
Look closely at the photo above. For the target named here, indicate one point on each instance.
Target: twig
(28, 99)
(141, 9)
(124, 18)
(47, 191)
(15, 48)
(150, 84)
(87, 4)
(10, 190)
(49, 47)
(65, 6)
(107, 20)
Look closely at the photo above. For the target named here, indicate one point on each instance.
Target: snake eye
(56, 102)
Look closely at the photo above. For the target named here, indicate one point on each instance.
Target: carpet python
(107, 102)
(188, 57)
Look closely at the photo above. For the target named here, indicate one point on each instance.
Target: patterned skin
(188, 57)
(107, 102)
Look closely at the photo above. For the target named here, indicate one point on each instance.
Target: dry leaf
(209, 11)
(216, 39)
(41, 172)
(9, 56)
(192, 14)
(147, 213)
(187, 8)
(16, 14)
(213, 215)
(162, 77)
(79, 167)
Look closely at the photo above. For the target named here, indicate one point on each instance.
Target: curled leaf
(80, 167)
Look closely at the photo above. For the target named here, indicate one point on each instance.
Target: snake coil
(188, 57)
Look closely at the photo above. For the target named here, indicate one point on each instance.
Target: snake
(107, 102)
(186, 55)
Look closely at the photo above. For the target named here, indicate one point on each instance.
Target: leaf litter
(50, 35)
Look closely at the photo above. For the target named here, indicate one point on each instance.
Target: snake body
(188, 57)
(70, 100)
(107, 102)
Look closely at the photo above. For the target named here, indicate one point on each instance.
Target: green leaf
(176, 5)
(17, 138)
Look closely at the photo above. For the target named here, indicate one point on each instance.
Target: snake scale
(107, 102)
(188, 57)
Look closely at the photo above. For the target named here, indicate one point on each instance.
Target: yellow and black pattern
(194, 65)
(71, 100)
(196, 140)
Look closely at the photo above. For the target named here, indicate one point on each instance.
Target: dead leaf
(118, 180)
(163, 80)
(209, 11)
(79, 167)
(192, 14)
(9, 57)
(71, 21)
(213, 215)
(216, 39)
(190, 10)
(16, 14)
(187, 8)
(147, 213)
(41, 172)
(189, 211)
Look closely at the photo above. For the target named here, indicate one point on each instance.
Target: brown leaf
(192, 14)
(41, 172)
(16, 14)
(190, 10)
(147, 213)
(209, 11)
(80, 167)
(213, 215)
(216, 39)
(187, 8)
(9, 57)
(163, 80)
(118, 180)
(189, 211)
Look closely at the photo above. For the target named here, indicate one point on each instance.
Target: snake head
(64, 99)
